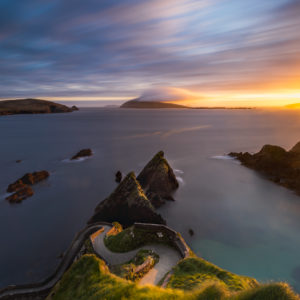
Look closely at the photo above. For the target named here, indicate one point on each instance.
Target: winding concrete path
(168, 257)
(46, 285)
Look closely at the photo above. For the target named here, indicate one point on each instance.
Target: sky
(198, 52)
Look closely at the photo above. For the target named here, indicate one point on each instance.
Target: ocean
(242, 222)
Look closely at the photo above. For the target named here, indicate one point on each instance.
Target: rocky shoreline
(276, 163)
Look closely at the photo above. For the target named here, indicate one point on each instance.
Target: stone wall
(174, 237)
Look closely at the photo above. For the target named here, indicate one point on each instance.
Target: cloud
(123, 48)
(168, 94)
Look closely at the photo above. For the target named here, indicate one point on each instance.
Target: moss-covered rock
(126, 205)
(158, 180)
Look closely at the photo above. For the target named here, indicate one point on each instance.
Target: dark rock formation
(158, 180)
(118, 178)
(191, 232)
(83, 153)
(126, 205)
(28, 179)
(31, 106)
(137, 103)
(277, 164)
(21, 188)
(74, 108)
(21, 194)
(18, 160)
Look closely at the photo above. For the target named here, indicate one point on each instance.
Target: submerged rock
(82, 153)
(277, 164)
(23, 193)
(158, 180)
(28, 179)
(118, 177)
(126, 205)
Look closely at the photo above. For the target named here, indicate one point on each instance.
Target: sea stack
(158, 180)
(127, 204)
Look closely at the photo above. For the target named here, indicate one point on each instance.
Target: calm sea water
(241, 221)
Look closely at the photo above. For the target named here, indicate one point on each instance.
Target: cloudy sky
(205, 52)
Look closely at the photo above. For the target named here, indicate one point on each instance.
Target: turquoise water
(241, 221)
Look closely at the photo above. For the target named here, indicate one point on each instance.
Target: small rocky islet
(82, 153)
(135, 198)
(21, 188)
(276, 163)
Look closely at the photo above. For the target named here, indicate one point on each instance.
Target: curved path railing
(43, 288)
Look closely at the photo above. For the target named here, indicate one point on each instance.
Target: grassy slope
(132, 238)
(190, 272)
(90, 279)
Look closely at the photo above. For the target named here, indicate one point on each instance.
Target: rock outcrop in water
(126, 205)
(21, 188)
(21, 194)
(82, 153)
(158, 180)
(118, 177)
(32, 106)
(277, 164)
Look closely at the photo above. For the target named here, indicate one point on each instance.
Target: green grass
(132, 238)
(192, 272)
(90, 279)
(128, 270)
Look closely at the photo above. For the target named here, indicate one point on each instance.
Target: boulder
(23, 193)
(74, 108)
(35, 177)
(17, 185)
(158, 180)
(127, 204)
(82, 153)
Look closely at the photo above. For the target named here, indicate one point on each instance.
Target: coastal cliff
(277, 164)
(127, 204)
(32, 106)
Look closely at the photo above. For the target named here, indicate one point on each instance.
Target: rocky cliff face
(127, 204)
(277, 164)
(158, 180)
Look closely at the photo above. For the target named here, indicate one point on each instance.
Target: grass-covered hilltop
(32, 106)
(190, 278)
(277, 164)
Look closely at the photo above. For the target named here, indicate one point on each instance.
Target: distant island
(277, 164)
(138, 103)
(32, 106)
